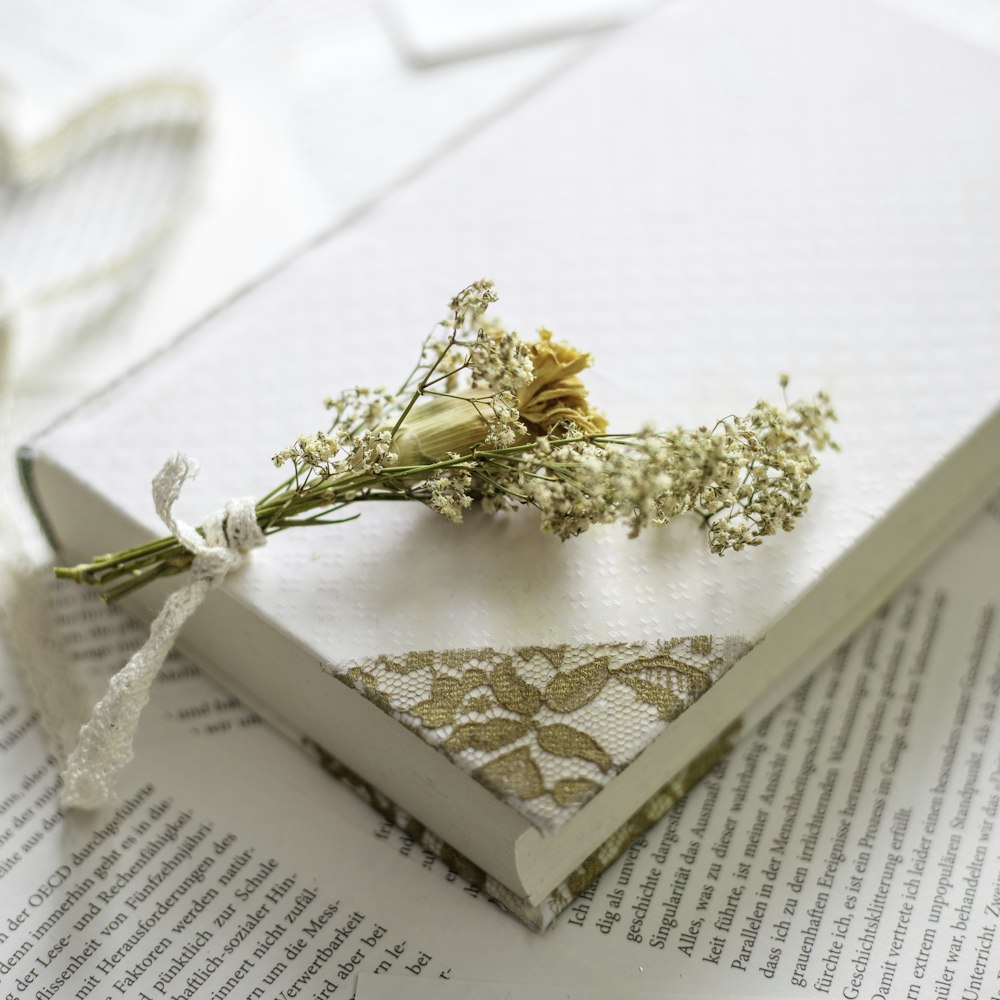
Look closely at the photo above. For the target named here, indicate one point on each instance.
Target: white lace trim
(105, 742)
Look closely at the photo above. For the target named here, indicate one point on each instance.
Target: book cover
(720, 195)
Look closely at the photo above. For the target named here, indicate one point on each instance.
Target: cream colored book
(723, 193)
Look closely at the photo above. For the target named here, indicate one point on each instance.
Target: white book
(722, 194)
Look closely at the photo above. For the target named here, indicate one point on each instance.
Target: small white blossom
(449, 492)
(470, 303)
(501, 360)
(569, 488)
(362, 407)
(372, 450)
(503, 421)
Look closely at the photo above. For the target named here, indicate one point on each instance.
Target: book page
(845, 849)
(848, 848)
(197, 883)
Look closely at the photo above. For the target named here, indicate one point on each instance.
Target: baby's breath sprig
(488, 417)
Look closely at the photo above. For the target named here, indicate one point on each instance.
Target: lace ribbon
(105, 742)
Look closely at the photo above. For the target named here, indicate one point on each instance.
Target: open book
(721, 195)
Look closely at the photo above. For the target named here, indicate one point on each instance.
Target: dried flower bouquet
(486, 416)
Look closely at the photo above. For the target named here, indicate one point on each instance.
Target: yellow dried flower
(556, 394)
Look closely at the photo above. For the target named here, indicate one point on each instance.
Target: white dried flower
(362, 407)
(372, 450)
(501, 360)
(470, 303)
(449, 492)
(504, 427)
(569, 486)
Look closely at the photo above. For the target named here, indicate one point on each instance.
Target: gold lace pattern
(545, 728)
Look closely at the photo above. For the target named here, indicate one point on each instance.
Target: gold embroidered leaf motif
(569, 791)
(408, 663)
(447, 689)
(660, 696)
(514, 693)
(575, 688)
(491, 735)
(440, 709)
(472, 678)
(659, 661)
(565, 741)
(554, 654)
(514, 772)
(447, 692)
(482, 703)
(691, 682)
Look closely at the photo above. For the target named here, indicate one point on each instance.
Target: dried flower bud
(556, 394)
(442, 425)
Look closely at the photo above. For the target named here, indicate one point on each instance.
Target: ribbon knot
(222, 545)
(228, 535)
